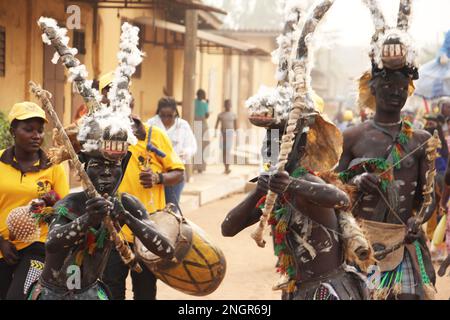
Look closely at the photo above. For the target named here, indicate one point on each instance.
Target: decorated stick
(56, 36)
(277, 101)
(285, 43)
(404, 14)
(379, 23)
(129, 57)
(377, 16)
(127, 255)
(301, 107)
(428, 189)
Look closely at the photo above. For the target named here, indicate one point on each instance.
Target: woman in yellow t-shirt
(27, 174)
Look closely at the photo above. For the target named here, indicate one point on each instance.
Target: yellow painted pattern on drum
(200, 272)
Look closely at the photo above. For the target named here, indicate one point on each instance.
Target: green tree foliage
(6, 139)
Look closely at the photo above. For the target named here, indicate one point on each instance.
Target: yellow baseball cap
(26, 110)
(348, 115)
(105, 80)
(318, 101)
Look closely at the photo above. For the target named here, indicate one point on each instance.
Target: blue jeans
(173, 193)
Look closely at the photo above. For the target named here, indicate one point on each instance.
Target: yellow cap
(348, 115)
(318, 101)
(105, 80)
(26, 110)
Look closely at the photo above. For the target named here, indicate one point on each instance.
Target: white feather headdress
(105, 129)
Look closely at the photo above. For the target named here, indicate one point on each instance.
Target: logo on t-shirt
(43, 187)
(144, 162)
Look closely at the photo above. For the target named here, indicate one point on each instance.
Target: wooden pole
(190, 56)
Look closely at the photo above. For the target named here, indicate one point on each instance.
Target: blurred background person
(347, 120)
(201, 116)
(435, 122)
(180, 133)
(228, 125)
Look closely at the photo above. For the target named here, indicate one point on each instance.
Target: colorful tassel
(62, 211)
(428, 287)
(279, 219)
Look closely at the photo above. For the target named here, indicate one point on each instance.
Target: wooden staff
(378, 19)
(69, 60)
(299, 112)
(404, 14)
(125, 252)
(285, 48)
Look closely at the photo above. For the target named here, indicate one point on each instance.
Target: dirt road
(250, 269)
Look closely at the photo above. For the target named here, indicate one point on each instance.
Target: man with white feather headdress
(84, 229)
(153, 165)
(392, 165)
(307, 222)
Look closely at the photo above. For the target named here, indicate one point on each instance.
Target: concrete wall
(25, 50)
(148, 88)
(12, 86)
(220, 76)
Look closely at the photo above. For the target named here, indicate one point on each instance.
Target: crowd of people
(342, 202)
(154, 175)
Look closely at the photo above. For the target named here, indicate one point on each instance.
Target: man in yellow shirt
(27, 174)
(153, 165)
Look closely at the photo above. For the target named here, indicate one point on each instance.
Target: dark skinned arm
(217, 123)
(173, 177)
(9, 251)
(366, 182)
(245, 214)
(347, 155)
(133, 214)
(65, 233)
(311, 189)
(148, 178)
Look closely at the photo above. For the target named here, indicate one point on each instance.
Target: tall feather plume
(278, 101)
(57, 37)
(379, 22)
(100, 116)
(404, 15)
(285, 41)
(384, 32)
(129, 58)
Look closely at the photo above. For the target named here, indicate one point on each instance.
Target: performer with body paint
(309, 222)
(86, 224)
(392, 165)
